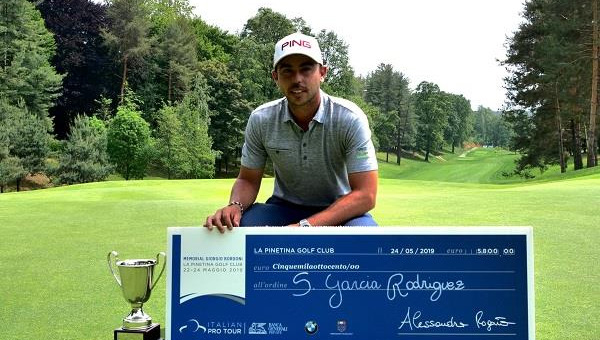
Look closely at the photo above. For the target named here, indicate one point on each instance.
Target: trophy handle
(164, 257)
(110, 265)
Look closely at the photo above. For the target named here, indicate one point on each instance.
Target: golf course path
(464, 154)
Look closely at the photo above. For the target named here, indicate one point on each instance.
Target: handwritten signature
(498, 321)
(396, 286)
(416, 321)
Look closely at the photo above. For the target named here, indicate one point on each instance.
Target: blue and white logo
(342, 325)
(311, 327)
(192, 326)
(257, 328)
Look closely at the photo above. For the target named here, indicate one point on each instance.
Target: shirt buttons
(303, 144)
(305, 157)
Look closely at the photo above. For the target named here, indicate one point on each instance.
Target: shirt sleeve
(254, 155)
(360, 152)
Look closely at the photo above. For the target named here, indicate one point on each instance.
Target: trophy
(136, 279)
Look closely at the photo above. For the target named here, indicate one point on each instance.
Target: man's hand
(225, 218)
(244, 191)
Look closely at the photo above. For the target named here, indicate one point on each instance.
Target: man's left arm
(357, 202)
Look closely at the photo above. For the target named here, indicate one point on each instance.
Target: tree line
(132, 86)
(552, 85)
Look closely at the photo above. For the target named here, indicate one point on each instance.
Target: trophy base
(150, 333)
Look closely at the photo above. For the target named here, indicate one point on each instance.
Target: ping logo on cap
(293, 43)
(297, 43)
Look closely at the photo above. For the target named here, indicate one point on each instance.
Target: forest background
(139, 87)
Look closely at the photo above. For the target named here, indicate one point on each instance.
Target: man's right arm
(244, 191)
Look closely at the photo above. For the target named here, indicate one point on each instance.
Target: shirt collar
(287, 116)
(319, 116)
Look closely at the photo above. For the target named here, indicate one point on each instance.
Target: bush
(128, 142)
(183, 147)
(84, 157)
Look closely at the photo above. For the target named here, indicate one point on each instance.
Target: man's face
(299, 79)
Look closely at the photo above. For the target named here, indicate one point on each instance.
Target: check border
(239, 234)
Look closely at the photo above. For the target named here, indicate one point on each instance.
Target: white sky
(453, 43)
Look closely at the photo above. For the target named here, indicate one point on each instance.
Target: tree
(405, 129)
(431, 108)
(84, 157)
(549, 63)
(128, 142)
(265, 29)
(128, 34)
(163, 13)
(500, 133)
(229, 111)
(212, 42)
(81, 56)
(379, 87)
(11, 168)
(31, 141)
(26, 47)
(183, 144)
(171, 155)
(592, 146)
(459, 125)
(491, 129)
(249, 69)
(340, 75)
(194, 115)
(104, 111)
(372, 114)
(300, 25)
(178, 47)
(28, 87)
(482, 123)
(27, 140)
(163, 76)
(379, 92)
(522, 125)
(394, 126)
(522, 141)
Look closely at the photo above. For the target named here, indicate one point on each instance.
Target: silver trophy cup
(136, 278)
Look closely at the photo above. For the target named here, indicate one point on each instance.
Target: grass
(475, 166)
(55, 241)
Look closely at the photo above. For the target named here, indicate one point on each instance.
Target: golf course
(54, 241)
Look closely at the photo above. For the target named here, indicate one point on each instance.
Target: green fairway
(55, 241)
(475, 166)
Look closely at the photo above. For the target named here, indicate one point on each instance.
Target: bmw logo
(311, 327)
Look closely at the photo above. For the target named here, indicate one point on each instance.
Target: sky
(453, 43)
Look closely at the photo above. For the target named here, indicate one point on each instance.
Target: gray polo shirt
(312, 167)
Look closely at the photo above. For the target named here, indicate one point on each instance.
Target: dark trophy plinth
(150, 333)
(136, 279)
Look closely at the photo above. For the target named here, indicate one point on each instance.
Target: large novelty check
(361, 283)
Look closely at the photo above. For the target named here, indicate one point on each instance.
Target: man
(323, 157)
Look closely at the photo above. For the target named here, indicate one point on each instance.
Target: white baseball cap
(297, 43)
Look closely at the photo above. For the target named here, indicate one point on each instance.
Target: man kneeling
(323, 157)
